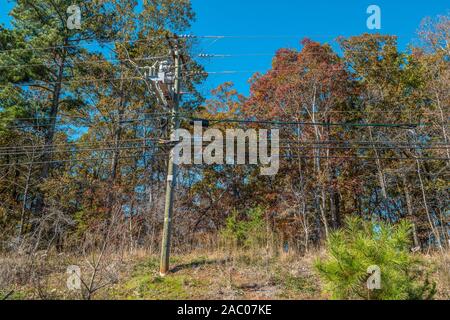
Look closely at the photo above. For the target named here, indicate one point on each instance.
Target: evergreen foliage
(362, 244)
(247, 232)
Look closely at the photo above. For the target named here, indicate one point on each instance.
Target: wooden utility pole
(171, 172)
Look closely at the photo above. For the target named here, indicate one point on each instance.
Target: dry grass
(252, 275)
(441, 274)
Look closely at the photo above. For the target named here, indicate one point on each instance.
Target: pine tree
(362, 244)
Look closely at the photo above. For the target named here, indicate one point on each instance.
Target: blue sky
(283, 23)
(321, 20)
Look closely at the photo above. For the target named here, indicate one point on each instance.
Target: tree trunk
(425, 203)
(50, 133)
(410, 211)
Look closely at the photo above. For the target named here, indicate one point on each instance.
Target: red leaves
(295, 78)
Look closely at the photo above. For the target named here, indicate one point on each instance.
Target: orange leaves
(297, 80)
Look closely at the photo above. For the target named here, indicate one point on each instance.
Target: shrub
(248, 232)
(362, 244)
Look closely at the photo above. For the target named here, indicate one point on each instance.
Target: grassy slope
(215, 277)
(203, 276)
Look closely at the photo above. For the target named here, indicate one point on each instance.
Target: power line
(275, 122)
(296, 141)
(287, 157)
(234, 55)
(79, 150)
(149, 117)
(344, 124)
(75, 144)
(85, 117)
(211, 55)
(87, 42)
(71, 81)
(168, 113)
(94, 42)
(291, 144)
(69, 160)
(187, 75)
(52, 150)
(99, 62)
(371, 158)
(286, 144)
(266, 71)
